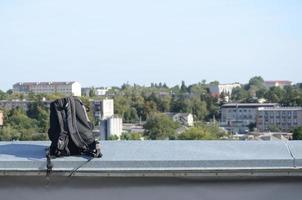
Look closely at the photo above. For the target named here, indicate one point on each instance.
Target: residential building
(65, 88)
(98, 91)
(236, 117)
(107, 109)
(185, 119)
(217, 89)
(282, 118)
(101, 91)
(110, 124)
(277, 83)
(1, 118)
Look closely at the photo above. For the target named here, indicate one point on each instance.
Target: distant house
(277, 83)
(185, 119)
(98, 91)
(218, 89)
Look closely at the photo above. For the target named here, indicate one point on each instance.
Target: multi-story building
(277, 83)
(107, 108)
(110, 124)
(65, 88)
(236, 117)
(216, 90)
(283, 118)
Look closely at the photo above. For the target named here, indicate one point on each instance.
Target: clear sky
(104, 43)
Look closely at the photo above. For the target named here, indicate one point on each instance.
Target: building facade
(216, 90)
(246, 112)
(282, 118)
(114, 126)
(236, 117)
(107, 108)
(185, 119)
(65, 88)
(98, 91)
(110, 124)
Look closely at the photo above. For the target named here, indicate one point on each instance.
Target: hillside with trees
(136, 103)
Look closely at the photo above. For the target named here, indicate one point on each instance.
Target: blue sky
(106, 43)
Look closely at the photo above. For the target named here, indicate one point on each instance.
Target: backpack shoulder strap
(72, 126)
(60, 137)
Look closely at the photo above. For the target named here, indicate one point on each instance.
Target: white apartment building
(284, 118)
(216, 90)
(107, 109)
(66, 88)
(110, 124)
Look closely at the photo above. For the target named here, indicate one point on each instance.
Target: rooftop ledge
(160, 158)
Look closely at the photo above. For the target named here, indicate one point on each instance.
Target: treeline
(136, 103)
(21, 125)
(256, 91)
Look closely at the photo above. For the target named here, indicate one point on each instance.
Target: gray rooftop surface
(161, 157)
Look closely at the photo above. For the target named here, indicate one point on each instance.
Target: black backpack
(70, 130)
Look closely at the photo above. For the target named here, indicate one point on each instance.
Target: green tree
(54, 96)
(160, 126)
(131, 136)
(40, 113)
(255, 84)
(274, 128)
(121, 105)
(3, 95)
(131, 115)
(239, 94)
(92, 92)
(202, 132)
(18, 119)
(199, 109)
(292, 96)
(297, 134)
(183, 87)
(256, 81)
(8, 133)
(150, 108)
(274, 95)
(113, 137)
